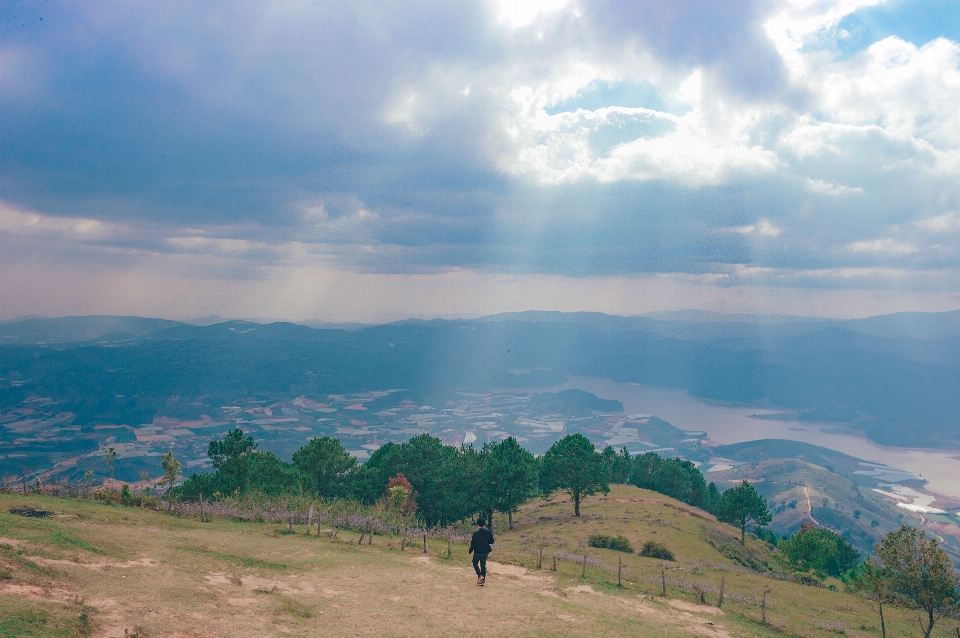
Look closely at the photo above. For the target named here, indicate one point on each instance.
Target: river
(941, 468)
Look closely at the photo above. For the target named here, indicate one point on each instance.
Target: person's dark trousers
(480, 564)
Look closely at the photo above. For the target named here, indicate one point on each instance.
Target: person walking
(480, 548)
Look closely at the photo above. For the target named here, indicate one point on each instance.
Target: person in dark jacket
(480, 548)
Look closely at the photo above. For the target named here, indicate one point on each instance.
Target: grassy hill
(98, 570)
(797, 490)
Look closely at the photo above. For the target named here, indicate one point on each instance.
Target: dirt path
(810, 508)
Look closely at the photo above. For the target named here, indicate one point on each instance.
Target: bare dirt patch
(708, 629)
(683, 619)
(261, 585)
(514, 571)
(694, 607)
(98, 564)
(41, 593)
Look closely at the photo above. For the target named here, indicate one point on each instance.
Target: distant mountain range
(896, 377)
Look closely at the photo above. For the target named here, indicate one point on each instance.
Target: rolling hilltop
(102, 570)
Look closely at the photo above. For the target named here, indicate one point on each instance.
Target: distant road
(810, 508)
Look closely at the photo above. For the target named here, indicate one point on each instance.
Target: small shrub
(653, 549)
(83, 625)
(621, 544)
(618, 543)
(599, 540)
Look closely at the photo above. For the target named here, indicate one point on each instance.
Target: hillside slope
(103, 570)
(797, 490)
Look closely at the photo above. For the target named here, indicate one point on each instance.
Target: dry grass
(162, 576)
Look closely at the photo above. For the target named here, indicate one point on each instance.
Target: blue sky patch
(916, 21)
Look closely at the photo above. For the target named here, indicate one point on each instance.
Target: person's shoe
(482, 580)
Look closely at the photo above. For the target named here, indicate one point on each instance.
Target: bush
(819, 551)
(618, 543)
(653, 549)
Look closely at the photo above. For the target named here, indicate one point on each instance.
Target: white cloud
(688, 149)
(763, 228)
(800, 20)
(211, 245)
(910, 91)
(520, 13)
(20, 222)
(885, 245)
(828, 188)
(946, 223)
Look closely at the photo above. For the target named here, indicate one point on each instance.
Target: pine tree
(743, 507)
(326, 464)
(573, 465)
(510, 476)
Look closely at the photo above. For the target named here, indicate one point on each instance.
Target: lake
(941, 468)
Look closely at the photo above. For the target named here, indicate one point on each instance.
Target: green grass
(66, 541)
(23, 618)
(16, 556)
(237, 561)
(45, 532)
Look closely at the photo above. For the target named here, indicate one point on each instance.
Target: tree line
(451, 484)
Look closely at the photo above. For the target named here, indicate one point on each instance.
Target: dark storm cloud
(204, 113)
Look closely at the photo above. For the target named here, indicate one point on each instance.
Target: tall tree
(645, 467)
(110, 457)
(677, 478)
(241, 468)
(673, 479)
(510, 476)
(920, 572)
(619, 464)
(744, 507)
(713, 495)
(433, 469)
(233, 446)
(471, 470)
(573, 465)
(232, 459)
(171, 471)
(874, 584)
(326, 465)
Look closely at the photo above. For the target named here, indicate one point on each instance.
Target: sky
(370, 161)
